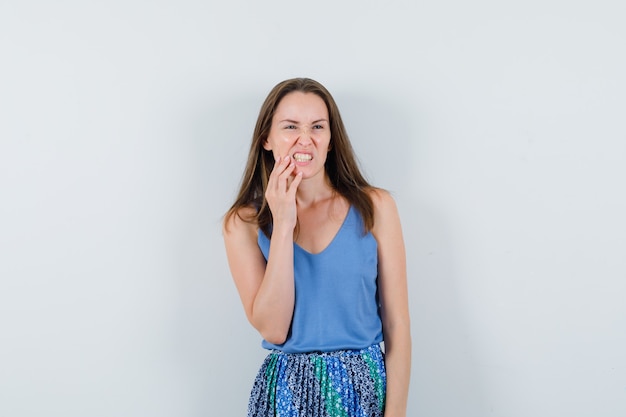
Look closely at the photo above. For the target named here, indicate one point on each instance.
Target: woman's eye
(290, 127)
(318, 127)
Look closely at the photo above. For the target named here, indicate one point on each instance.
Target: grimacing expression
(301, 130)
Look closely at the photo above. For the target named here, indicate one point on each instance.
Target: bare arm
(393, 292)
(266, 290)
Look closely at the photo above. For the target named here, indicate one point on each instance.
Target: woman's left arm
(393, 293)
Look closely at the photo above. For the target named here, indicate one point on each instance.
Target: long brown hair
(341, 164)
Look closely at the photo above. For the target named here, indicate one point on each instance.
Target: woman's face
(301, 130)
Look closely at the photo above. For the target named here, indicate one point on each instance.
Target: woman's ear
(266, 145)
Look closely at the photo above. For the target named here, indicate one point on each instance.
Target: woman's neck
(313, 190)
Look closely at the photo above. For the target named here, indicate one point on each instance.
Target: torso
(336, 288)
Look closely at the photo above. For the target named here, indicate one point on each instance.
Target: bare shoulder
(386, 217)
(384, 203)
(240, 223)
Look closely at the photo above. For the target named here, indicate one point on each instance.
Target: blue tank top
(336, 303)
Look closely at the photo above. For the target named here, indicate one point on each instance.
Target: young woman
(318, 258)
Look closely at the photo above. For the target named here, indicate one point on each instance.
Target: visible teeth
(302, 157)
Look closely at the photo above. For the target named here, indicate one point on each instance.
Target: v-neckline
(343, 223)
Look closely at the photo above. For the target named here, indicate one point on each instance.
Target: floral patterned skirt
(346, 383)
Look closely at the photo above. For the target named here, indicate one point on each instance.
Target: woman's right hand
(281, 193)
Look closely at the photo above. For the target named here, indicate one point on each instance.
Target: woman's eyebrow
(295, 122)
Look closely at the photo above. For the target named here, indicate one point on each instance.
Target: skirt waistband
(334, 353)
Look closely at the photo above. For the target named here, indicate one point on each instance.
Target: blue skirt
(346, 383)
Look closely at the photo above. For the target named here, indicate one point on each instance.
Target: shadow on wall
(446, 371)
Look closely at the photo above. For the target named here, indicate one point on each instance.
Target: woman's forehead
(301, 105)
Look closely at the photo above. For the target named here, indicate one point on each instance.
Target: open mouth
(302, 157)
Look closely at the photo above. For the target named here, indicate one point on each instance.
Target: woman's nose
(305, 136)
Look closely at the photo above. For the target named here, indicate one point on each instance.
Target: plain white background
(124, 129)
